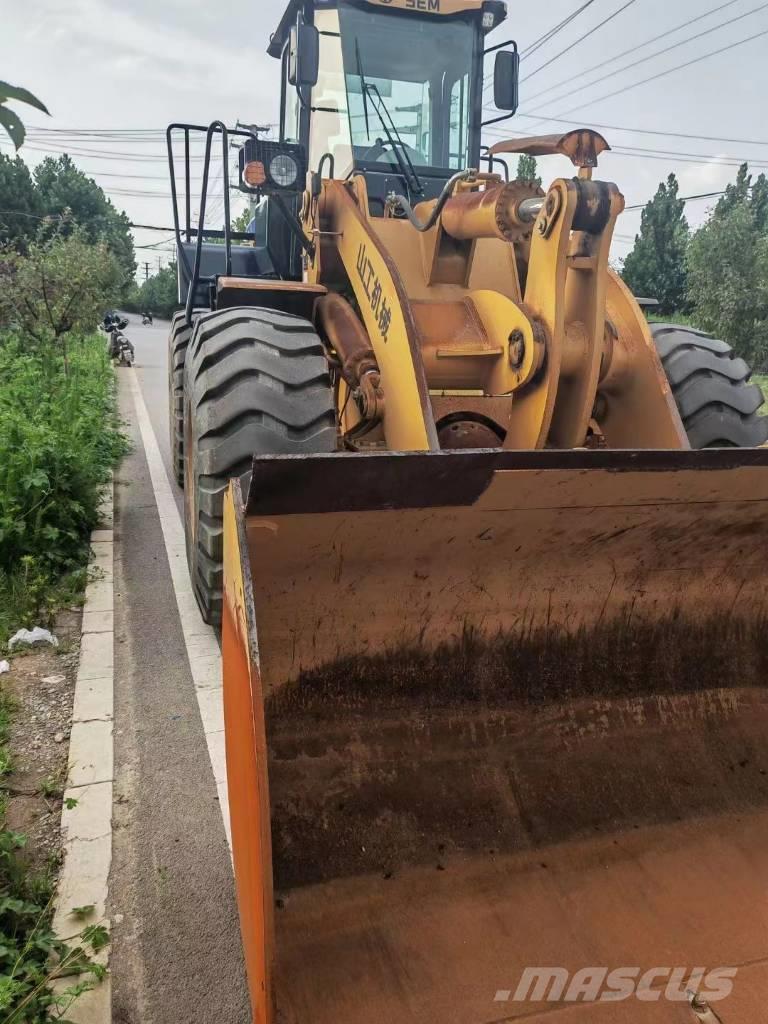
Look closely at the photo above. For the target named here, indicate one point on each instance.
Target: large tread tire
(178, 341)
(257, 383)
(711, 386)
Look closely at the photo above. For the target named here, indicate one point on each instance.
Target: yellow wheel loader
(486, 551)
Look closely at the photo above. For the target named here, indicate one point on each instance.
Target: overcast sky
(138, 64)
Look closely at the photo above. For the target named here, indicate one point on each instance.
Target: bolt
(516, 349)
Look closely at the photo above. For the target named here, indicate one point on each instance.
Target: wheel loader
(486, 553)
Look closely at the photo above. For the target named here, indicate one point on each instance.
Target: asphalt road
(176, 942)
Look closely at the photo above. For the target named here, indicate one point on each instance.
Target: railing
(193, 272)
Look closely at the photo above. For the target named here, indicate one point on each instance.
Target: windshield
(408, 86)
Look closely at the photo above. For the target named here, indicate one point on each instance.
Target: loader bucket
(492, 712)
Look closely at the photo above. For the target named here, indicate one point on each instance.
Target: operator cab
(392, 89)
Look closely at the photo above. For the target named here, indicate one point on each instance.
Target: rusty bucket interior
(488, 711)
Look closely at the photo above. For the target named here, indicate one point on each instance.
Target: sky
(125, 68)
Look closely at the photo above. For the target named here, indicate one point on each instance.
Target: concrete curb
(87, 828)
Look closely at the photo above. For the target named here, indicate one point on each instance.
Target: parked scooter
(146, 319)
(119, 347)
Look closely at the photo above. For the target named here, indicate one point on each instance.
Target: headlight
(272, 167)
(283, 170)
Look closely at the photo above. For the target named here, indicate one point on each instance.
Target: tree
(656, 267)
(20, 207)
(238, 223)
(242, 220)
(61, 285)
(527, 169)
(728, 268)
(9, 119)
(159, 295)
(66, 192)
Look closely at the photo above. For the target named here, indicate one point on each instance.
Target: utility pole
(146, 271)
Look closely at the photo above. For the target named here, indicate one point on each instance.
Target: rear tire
(717, 403)
(178, 342)
(257, 383)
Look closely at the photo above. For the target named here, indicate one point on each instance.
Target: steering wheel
(379, 152)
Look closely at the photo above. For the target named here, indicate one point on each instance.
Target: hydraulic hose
(402, 203)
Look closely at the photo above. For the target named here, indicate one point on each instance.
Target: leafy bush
(60, 285)
(59, 438)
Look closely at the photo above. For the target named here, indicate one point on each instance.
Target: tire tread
(717, 401)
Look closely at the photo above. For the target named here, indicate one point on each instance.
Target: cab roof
(497, 8)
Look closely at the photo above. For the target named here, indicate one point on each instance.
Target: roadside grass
(59, 439)
(672, 318)
(762, 382)
(32, 957)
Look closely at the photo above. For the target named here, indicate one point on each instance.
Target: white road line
(200, 640)
(86, 824)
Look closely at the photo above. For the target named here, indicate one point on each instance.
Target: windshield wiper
(364, 87)
(413, 181)
(394, 138)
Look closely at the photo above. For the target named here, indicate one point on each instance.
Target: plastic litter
(38, 635)
(4, 667)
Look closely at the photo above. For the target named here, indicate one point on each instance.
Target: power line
(111, 131)
(649, 131)
(543, 40)
(102, 154)
(112, 174)
(720, 159)
(96, 131)
(581, 39)
(634, 49)
(33, 216)
(669, 71)
(716, 160)
(151, 227)
(657, 53)
(685, 199)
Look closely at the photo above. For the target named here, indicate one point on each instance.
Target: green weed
(59, 439)
(32, 957)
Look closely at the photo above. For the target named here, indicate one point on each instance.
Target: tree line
(57, 197)
(715, 277)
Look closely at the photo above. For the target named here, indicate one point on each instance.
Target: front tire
(178, 341)
(257, 383)
(711, 386)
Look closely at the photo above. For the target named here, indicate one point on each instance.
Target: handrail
(216, 127)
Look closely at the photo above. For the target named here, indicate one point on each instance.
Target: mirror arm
(499, 46)
(498, 120)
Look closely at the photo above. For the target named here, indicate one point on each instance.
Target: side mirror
(304, 55)
(506, 80)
